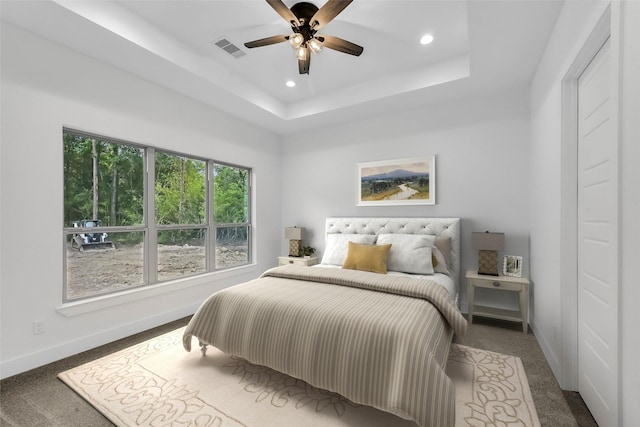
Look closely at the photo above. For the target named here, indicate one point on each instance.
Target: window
(135, 215)
(231, 215)
(181, 215)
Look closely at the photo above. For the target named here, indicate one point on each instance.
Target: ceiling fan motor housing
(304, 11)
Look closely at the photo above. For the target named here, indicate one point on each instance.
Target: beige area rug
(157, 383)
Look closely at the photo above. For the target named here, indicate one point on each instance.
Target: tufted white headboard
(447, 227)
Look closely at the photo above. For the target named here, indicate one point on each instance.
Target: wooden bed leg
(203, 348)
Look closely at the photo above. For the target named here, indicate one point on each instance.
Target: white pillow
(410, 253)
(337, 246)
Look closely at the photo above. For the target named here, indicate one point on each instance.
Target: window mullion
(250, 236)
(151, 237)
(211, 226)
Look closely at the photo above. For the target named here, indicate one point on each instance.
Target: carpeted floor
(38, 398)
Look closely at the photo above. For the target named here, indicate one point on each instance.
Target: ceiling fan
(305, 20)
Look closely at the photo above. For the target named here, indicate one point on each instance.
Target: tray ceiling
(479, 46)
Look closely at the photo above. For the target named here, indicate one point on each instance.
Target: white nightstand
(284, 260)
(502, 283)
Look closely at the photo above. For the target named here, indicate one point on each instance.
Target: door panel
(597, 241)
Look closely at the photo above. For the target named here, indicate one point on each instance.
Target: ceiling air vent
(230, 48)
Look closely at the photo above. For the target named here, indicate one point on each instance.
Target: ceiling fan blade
(267, 41)
(336, 43)
(284, 11)
(327, 12)
(304, 64)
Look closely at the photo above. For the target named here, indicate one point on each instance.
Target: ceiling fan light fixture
(296, 39)
(315, 45)
(301, 52)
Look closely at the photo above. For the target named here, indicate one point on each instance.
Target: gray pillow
(444, 245)
(440, 263)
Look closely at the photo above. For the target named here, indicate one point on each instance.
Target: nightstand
(284, 260)
(501, 283)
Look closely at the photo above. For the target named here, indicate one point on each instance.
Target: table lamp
(488, 244)
(294, 234)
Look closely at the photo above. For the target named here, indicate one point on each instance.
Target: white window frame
(150, 230)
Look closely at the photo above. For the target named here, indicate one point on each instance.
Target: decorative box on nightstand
(284, 260)
(501, 283)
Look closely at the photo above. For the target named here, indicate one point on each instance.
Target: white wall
(481, 147)
(576, 22)
(575, 25)
(46, 87)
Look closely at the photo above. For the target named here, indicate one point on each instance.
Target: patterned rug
(157, 383)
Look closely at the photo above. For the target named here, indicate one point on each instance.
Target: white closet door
(598, 241)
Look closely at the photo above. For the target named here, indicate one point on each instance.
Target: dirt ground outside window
(97, 271)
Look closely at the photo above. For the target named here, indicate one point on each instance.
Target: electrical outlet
(38, 327)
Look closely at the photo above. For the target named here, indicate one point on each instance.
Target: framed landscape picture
(409, 181)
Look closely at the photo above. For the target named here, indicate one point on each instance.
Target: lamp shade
(488, 241)
(293, 233)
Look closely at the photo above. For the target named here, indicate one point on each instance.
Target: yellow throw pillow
(367, 257)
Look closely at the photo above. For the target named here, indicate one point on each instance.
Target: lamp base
(294, 247)
(488, 263)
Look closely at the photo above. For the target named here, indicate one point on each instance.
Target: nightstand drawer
(497, 283)
(284, 260)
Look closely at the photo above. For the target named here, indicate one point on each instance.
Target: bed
(377, 339)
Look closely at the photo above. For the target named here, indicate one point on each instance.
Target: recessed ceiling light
(290, 83)
(426, 39)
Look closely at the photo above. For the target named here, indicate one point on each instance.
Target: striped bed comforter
(378, 340)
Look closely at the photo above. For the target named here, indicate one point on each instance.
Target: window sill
(75, 308)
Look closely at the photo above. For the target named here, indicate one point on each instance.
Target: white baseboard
(550, 356)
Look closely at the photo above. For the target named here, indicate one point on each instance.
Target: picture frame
(400, 182)
(512, 266)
